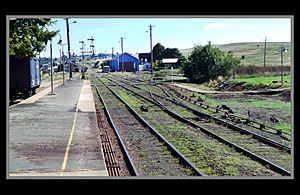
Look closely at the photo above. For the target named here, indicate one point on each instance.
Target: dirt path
(266, 91)
(206, 91)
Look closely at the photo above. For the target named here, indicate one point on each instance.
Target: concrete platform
(56, 135)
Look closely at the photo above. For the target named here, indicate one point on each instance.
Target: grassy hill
(253, 52)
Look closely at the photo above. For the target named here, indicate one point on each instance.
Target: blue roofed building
(130, 63)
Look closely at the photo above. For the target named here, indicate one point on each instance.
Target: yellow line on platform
(64, 165)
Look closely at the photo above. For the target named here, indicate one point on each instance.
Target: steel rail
(260, 159)
(277, 130)
(234, 127)
(111, 164)
(132, 169)
(225, 123)
(259, 123)
(181, 157)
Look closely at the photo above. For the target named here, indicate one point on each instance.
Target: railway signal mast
(92, 46)
(69, 47)
(82, 49)
(89, 50)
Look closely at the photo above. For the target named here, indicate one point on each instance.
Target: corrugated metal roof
(170, 60)
(120, 55)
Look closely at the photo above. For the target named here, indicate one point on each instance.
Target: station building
(131, 63)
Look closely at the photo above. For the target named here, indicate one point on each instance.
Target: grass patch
(266, 80)
(286, 127)
(127, 99)
(253, 52)
(267, 104)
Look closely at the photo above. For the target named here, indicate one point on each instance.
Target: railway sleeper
(252, 155)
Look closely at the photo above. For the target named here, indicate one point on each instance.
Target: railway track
(114, 166)
(148, 153)
(265, 154)
(234, 122)
(190, 99)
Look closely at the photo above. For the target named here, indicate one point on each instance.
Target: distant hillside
(253, 52)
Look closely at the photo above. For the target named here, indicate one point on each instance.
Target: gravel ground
(150, 156)
(245, 166)
(105, 129)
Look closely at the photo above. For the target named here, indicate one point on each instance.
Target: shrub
(208, 63)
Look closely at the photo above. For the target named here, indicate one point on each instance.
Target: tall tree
(170, 53)
(157, 51)
(29, 36)
(174, 53)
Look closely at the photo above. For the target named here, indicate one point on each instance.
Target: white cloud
(217, 25)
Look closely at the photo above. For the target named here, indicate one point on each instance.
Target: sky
(173, 32)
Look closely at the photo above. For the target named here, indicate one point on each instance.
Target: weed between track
(208, 155)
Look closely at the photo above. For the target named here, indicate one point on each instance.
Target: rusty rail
(260, 159)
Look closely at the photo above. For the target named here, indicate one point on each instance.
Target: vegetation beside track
(181, 137)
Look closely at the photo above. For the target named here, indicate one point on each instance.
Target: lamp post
(72, 57)
(118, 60)
(69, 52)
(63, 62)
(282, 49)
(82, 54)
(51, 63)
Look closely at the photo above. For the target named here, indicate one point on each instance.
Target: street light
(63, 62)
(282, 49)
(62, 44)
(118, 59)
(72, 57)
(51, 60)
(68, 38)
(82, 54)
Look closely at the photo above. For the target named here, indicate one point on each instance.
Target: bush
(208, 63)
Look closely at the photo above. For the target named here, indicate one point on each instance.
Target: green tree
(207, 63)
(174, 53)
(157, 51)
(160, 52)
(29, 36)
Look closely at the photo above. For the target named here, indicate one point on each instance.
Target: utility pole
(69, 47)
(281, 65)
(63, 62)
(265, 52)
(122, 53)
(282, 49)
(151, 64)
(82, 53)
(118, 59)
(51, 69)
(112, 57)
